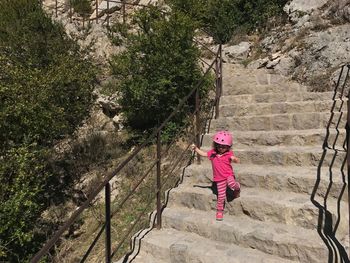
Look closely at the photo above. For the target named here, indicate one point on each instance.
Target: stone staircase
(284, 213)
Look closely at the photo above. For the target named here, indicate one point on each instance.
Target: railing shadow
(136, 242)
(328, 222)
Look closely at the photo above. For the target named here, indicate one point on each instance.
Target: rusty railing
(164, 166)
(97, 12)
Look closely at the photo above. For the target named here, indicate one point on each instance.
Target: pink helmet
(223, 137)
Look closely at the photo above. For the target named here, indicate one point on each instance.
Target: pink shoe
(219, 215)
(236, 193)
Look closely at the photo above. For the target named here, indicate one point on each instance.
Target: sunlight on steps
(287, 205)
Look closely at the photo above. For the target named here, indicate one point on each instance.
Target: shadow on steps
(229, 192)
(327, 227)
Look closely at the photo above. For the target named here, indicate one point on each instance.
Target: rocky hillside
(309, 48)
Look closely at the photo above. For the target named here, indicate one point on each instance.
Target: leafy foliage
(42, 104)
(196, 9)
(45, 84)
(46, 87)
(223, 18)
(158, 69)
(83, 7)
(23, 179)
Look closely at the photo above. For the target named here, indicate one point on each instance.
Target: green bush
(158, 69)
(43, 105)
(46, 85)
(196, 9)
(23, 178)
(223, 18)
(83, 7)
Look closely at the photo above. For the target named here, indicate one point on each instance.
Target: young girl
(221, 157)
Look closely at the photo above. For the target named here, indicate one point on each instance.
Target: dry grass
(143, 201)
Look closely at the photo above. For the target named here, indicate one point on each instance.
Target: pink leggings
(221, 185)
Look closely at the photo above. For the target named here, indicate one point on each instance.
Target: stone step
(249, 109)
(293, 121)
(288, 156)
(172, 246)
(236, 76)
(312, 137)
(245, 87)
(290, 242)
(145, 256)
(245, 82)
(279, 178)
(277, 97)
(264, 205)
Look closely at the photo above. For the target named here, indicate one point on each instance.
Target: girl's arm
(235, 159)
(199, 151)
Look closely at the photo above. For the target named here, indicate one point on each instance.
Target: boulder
(299, 11)
(236, 53)
(303, 6)
(109, 107)
(285, 66)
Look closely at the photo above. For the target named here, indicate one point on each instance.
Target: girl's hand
(235, 159)
(199, 151)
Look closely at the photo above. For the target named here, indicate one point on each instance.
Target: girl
(221, 157)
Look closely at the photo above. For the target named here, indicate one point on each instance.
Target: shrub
(157, 70)
(223, 18)
(23, 176)
(46, 85)
(196, 9)
(83, 7)
(46, 88)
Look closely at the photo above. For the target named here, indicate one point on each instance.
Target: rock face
(88, 34)
(236, 53)
(340, 9)
(303, 6)
(313, 45)
(279, 129)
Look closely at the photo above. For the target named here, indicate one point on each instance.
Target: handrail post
(108, 222)
(159, 219)
(220, 62)
(70, 11)
(96, 3)
(197, 124)
(218, 83)
(124, 12)
(108, 15)
(56, 7)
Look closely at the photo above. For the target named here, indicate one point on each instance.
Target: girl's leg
(221, 186)
(233, 184)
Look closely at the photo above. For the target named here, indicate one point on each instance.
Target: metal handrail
(327, 226)
(346, 146)
(216, 67)
(98, 14)
(50, 243)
